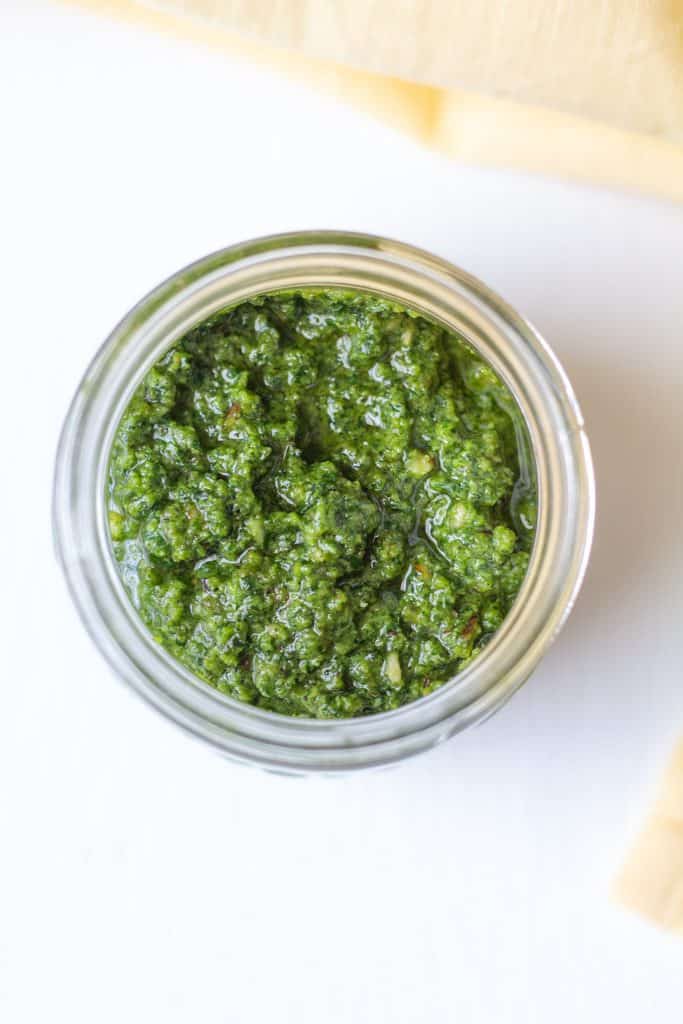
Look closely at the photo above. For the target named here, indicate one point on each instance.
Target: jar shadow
(634, 421)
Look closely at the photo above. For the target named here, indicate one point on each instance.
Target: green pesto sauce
(318, 503)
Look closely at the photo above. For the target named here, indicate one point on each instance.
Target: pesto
(317, 503)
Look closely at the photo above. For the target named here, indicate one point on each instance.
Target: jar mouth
(415, 280)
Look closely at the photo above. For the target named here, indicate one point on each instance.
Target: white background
(142, 877)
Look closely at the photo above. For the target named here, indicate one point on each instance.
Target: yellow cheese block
(477, 129)
(651, 880)
(618, 61)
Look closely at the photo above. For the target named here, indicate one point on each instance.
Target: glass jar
(414, 279)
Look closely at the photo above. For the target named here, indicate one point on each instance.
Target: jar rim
(416, 280)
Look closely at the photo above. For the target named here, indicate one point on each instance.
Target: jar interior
(456, 635)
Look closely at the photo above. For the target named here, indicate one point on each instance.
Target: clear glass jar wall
(414, 279)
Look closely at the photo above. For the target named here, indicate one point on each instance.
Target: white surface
(142, 877)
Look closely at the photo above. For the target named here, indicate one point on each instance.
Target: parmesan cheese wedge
(638, 146)
(651, 880)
